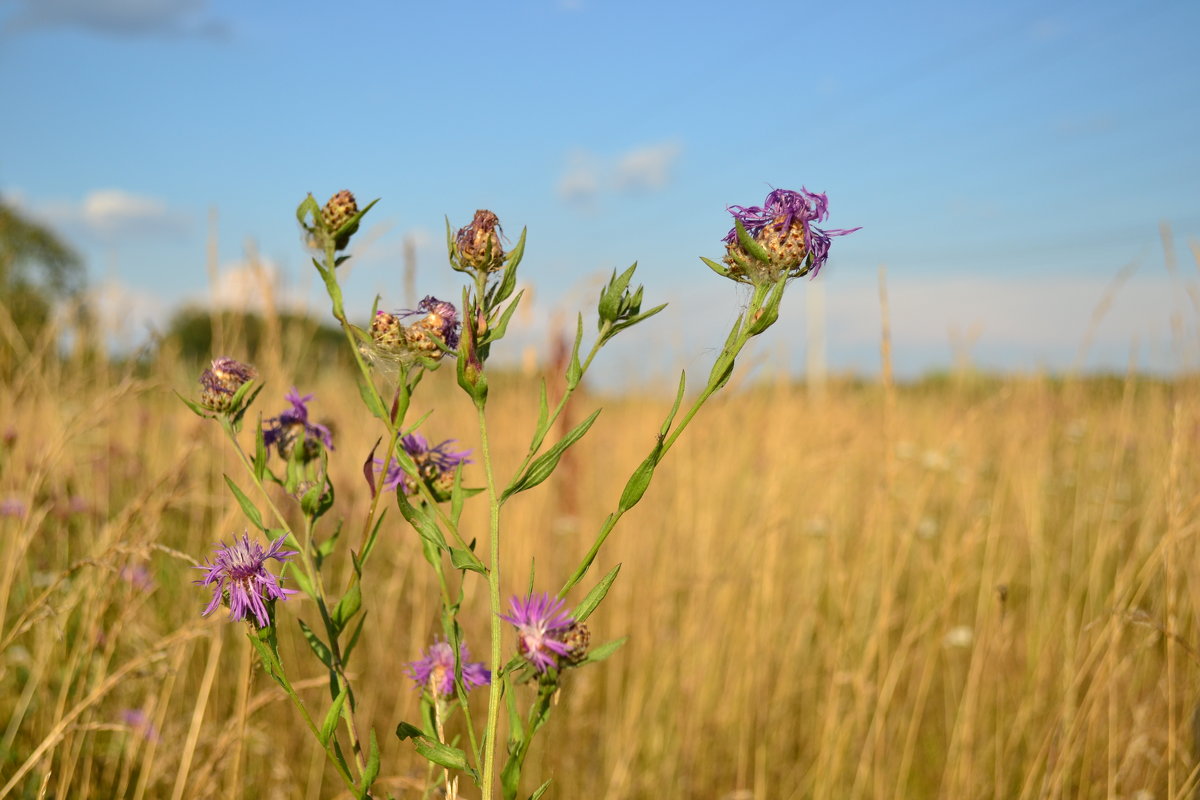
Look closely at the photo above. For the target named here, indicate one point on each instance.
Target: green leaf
(640, 479)
(420, 519)
(247, 507)
(465, 559)
(541, 790)
(604, 651)
(353, 640)
(302, 581)
(260, 451)
(242, 399)
(196, 408)
(666, 426)
(720, 269)
(408, 731)
(371, 771)
(595, 596)
(544, 465)
(348, 606)
(496, 332)
(444, 755)
(318, 647)
(374, 537)
(371, 400)
(270, 661)
(307, 206)
(629, 323)
(331, 716)
(574, 368)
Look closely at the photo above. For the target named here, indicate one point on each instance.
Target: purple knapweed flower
(220, 382)
(240, 575)
(436, 464)
(13, 507)
(283, 431)
(541, 623)
(139, 722)
(436, 669)
(783, 225)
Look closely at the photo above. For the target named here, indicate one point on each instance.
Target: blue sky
(1006, 161)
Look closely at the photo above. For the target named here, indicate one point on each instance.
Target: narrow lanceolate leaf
(640, 479)
(666, 426)
(595, 596)
(371, 400)
(604, 651)
(331, 717)
(544, 465)
(371, 771)
(465, 559)
(720, 269)
(353, 640)
(368, 467)
(260, 451)
(541, 790)
(574, 368)
(196, 408)
(348, 606)
(318, 647)
(247, 507)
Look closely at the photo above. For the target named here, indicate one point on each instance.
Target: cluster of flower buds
(477, 246)
(778, 239)
(221, 381)
(427, 338)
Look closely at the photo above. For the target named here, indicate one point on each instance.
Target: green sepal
(603, 651)
(197, 409)
(752, 247)
(247, 507)
(544, 465)
(319, 648)
(595, 596)
(720, 269)
(371, 770)
(329, 725)
(465, 559)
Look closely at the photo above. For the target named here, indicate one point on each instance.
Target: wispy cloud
(115, 213)
(126, 18)
(641, 169)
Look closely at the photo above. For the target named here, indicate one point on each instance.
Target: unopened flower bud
(221, 381)
(336, 213)
(479, 245)
(576, 638)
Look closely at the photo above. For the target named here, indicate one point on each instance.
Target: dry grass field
(971, 588)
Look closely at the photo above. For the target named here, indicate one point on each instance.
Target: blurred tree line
(39, 272)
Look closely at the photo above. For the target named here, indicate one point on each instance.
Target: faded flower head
(436, 669)
(284, 431)
(784, 227)
(221, 381)
(541, 623)
(239, 577)
(478, 244)
(435, 463)
(438, 319)
(336, 213)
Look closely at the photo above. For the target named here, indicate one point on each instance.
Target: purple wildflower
(436, 464)
(784, 208)
(139, 722)
(438, 318)
(220, 382)
(283, 431)
(12, 507)
(240, 571)
(436, 668)
(541, 624)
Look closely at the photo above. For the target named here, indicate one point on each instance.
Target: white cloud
(119, 17)
(645, 168)
(115, 213)
(255, 285)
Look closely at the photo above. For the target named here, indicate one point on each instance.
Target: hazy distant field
(963, 589)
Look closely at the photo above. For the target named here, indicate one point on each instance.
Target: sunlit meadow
(969, 587)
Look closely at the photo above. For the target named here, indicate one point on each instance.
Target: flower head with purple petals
(542, 622)
(437, 319)
(783, 227)
(436, 669)
(436, 465)
(239, 576)
(284, 431)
